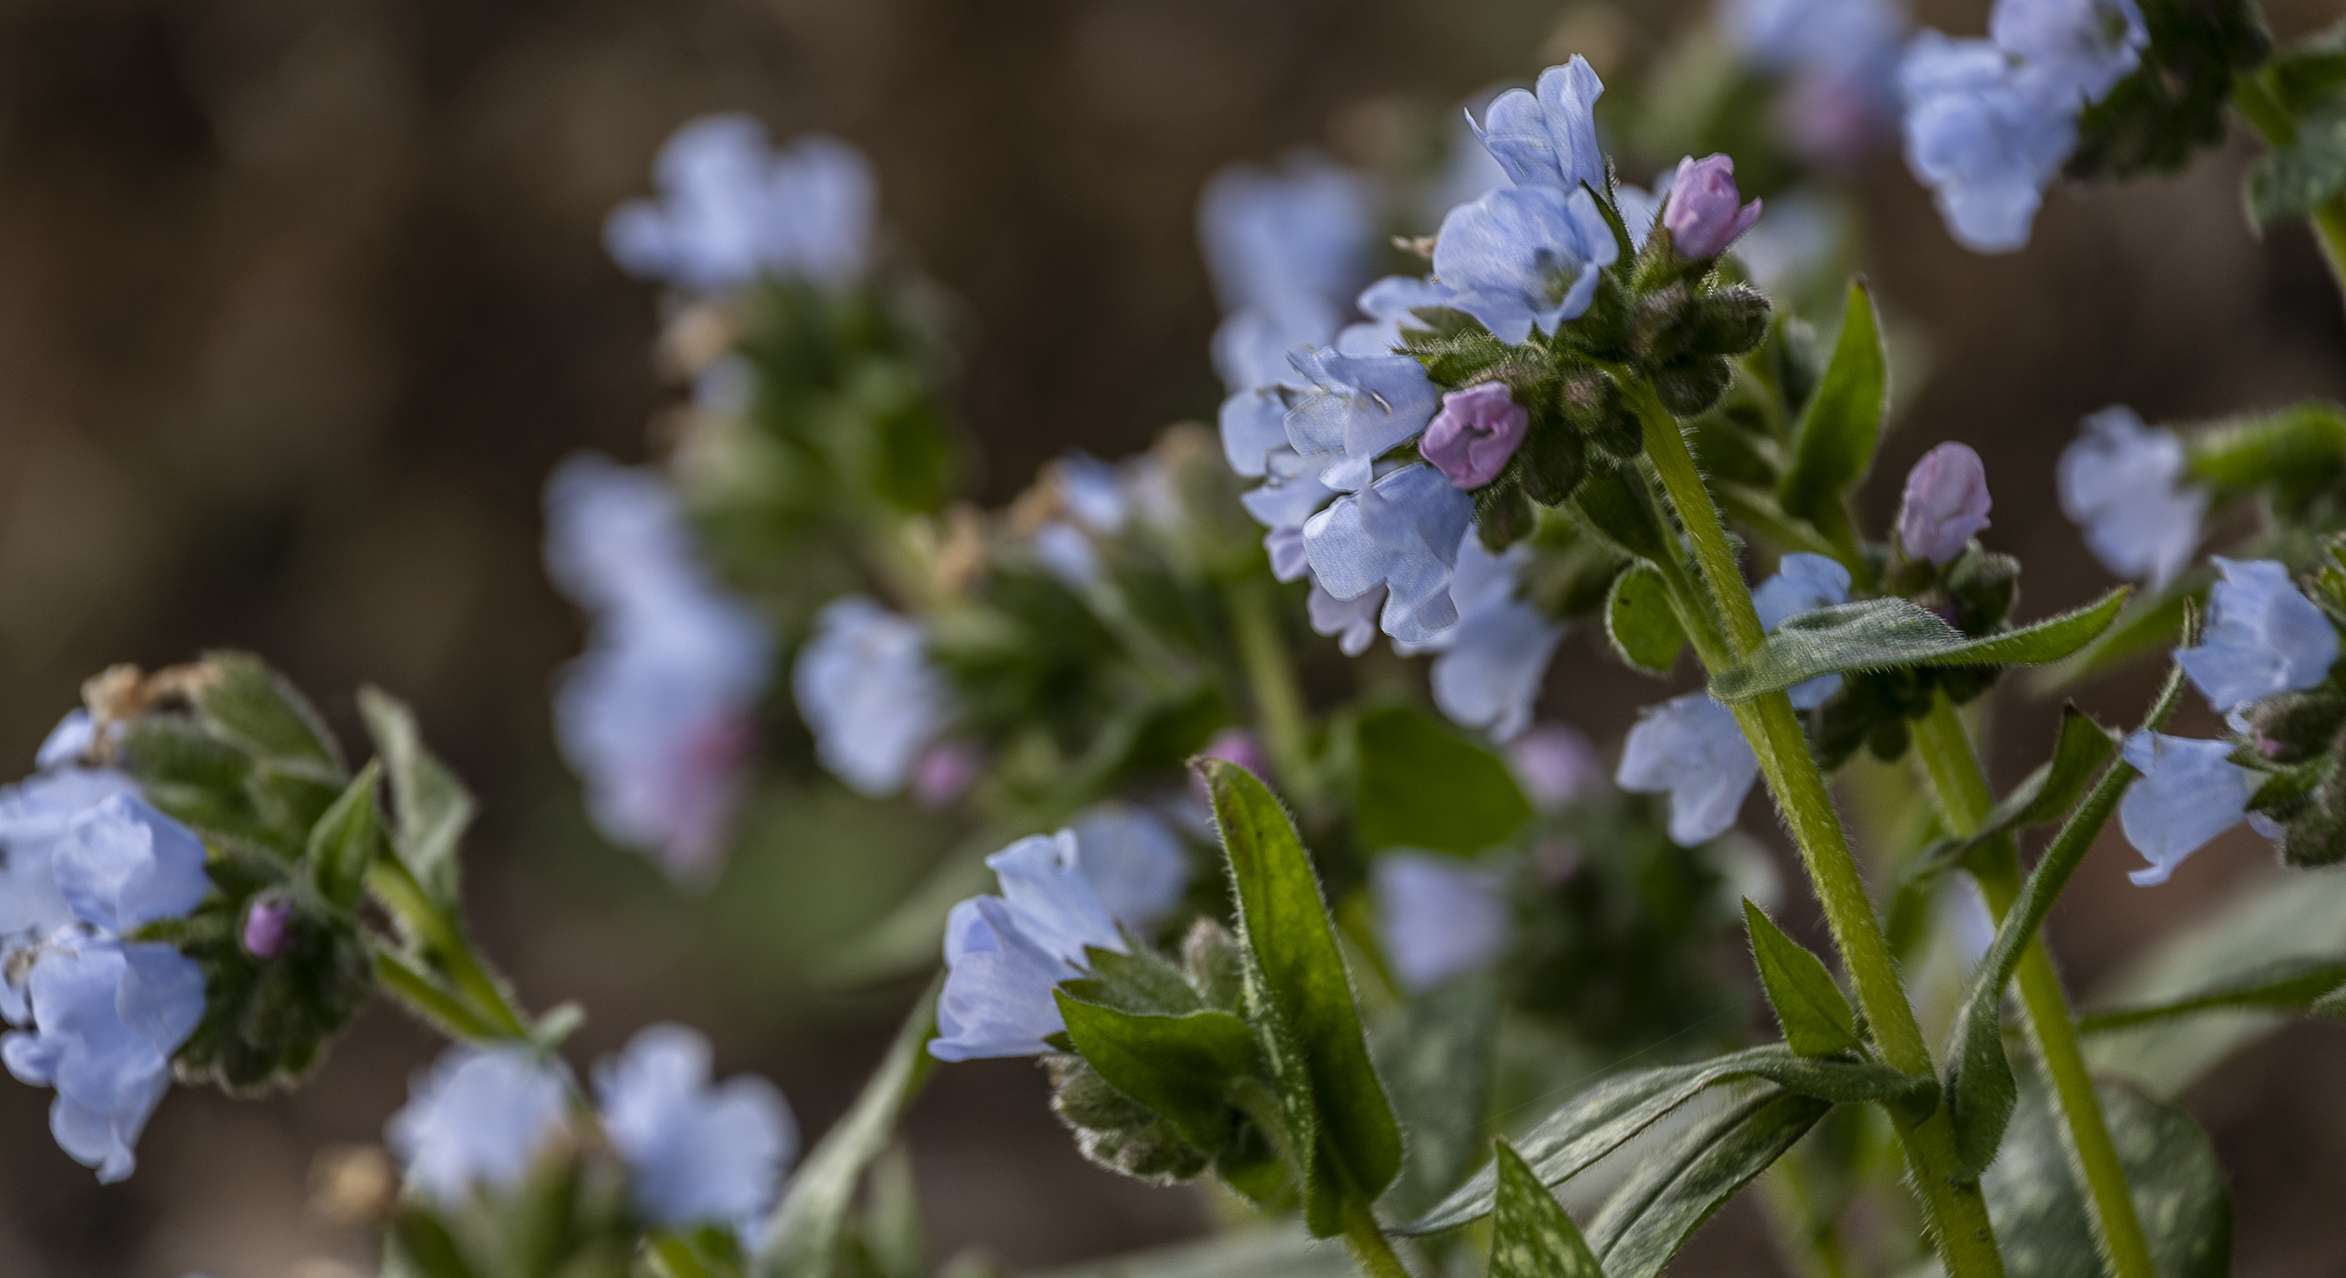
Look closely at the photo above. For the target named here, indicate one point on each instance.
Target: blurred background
(299, 304)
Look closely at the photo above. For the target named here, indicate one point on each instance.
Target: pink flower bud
(1703, 216)
(1946, 503)
(945, 772)
(268, 924)
(1237, 745)
(1478, 429)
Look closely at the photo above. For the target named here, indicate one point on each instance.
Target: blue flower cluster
(733, 210)
(2124, 484)
(867, 690)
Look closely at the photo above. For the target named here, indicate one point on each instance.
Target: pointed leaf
(2284, 985)
(1287, 933)
(1841, 425)
(1670, 1196)
(1181, 1066)
(2292, 181)
(1811, 1008)
(2044, 1225)
(1892, 634)
(346, 840)
(1531, 1236)
(1423, 784)
(1640, 622)
(2080, 751)
(431, 808)
(249, 705)
(1437, 1054)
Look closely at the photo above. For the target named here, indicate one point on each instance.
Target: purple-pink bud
(944, 772)
(1478, 429)
(1946, 503)
(1237, 745)
(268, 922)
(1555, 765)
(1705, 211)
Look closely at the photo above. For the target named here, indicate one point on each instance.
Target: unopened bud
(1705, 212)
(1946, 503)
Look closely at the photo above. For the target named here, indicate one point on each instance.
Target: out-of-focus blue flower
(1547, 136)
(945, 772)
(1439, 917)
(2190, 792)
(1475, 435)
(2263, 637)
(1401, 534)
(477, 1119)
(1691, 749)
(1288, 244)
(123, 865)
(1062, 895)
(1492, 663)
(1352, 623)
(104, 1018)
(1391, 305)
(659, 714)
(1803, 583)
(2086, 46)
(70, 742)
(865, 687)
(1705, 212)
(35, 814)
(1841, 59)
(1357, 409)
(1524, 258)
(1555, 764)
(696, 1154)
(2122, 482)
(732, 209)
(1945, 505)
(1987, 137)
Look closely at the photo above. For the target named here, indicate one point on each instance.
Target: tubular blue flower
(1691, 749)
(1946, 503)
(477, 1120)
(2263, 637)
(732, 209)
(123, 865)
(1400, 534)
(1439, 918)
(1555, 764)
(1547, 136)
(105, 1018)
(1287, 245)
(1524, 258)
(1358, 409)
(1475, 435)
(1492, 663)
(1391, 305)
(696, 1154)
(1803, 583)
(1985, 136)
(659, 714)
(1352, 623)
(1061, 897)
(2123, 484)
(1705, 212)
(2190, 792)
(1254, 429)
(35, 814)
(865, 687)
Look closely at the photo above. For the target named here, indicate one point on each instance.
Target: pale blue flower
(2087, 46)
(1439, 917)
(1803, 583)
(1402, 534)
(866, 688)
(1357, 409)
(1352, 623)
(1066, 552)
(1493, 662)
(2123, 483)
(1254, 429)
(1062, 896)
(1547, 136)
(104, 1019)
(1288, 244)
(1812, 35)
(659, 714)
(1985, 135)
(73, 739)
(696, 1153)
(2263, 637)
(1555, 764)
(1391, 305)
(477, 1120)
(1691, 749)
(35, 814)
(2190, 792)
(732, 209)
(123, 865)
(1524, 258)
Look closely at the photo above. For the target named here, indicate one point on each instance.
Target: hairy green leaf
(431, 809)
(1640, 622)
(2284, 985)
(1811, 1008)
(1841, 424)
(250, 705)
(346, 840)
(1672, 1193)
(1892, 634)
(1437, 1055)
(2292, 181)
(2044, 1225)
(1421, 783)
(1531, 1235)
(2080, 752)
(1180, 1065)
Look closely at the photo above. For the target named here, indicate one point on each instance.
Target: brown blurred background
(298, 304)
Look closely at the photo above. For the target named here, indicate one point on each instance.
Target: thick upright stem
(1956, 1213)
(1371, 1250)
(1965, 798)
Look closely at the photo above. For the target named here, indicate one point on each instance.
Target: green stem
(1279, 707)
(445, 942)
(1955, 1213)
(432, 1001)
(676, 1257)
(1948, 755)
(2253, 96)
(1367, 1242)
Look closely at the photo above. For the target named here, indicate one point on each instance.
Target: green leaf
(1609, 505)
(2080, 752)
(2299, 452)
(430, 807)
(1603, 1118)
(1300, 992)
(2310, 71)
(2284, 985)
(1437, 1053)
(1671, 1194)
(1244, 1253)
(1815, 1016)
(1423, 784)
(802, 1236)
(2292, 181)
(249, 705)
(2043, 1223)
(1531, 1236)
(346, 840)
(1181, 1066)
(1841, 425)
(1640, 622)
(1981, 1090)
(2148, 625)
(1892, 634)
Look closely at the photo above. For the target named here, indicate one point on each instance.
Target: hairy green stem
(1270, 677)
(2253, 96)
(1955, 1213)
(431, 1000)
(1953, 764)
(1371, 1250)
(446, 944)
